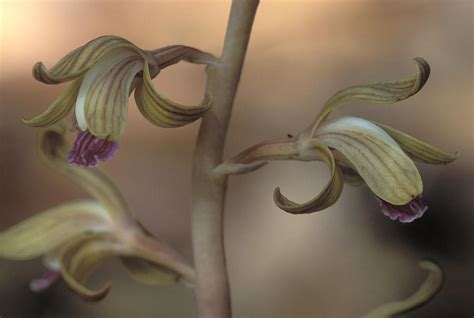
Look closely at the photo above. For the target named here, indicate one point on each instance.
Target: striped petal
(45, 231)
(173, 54)
(419, 150)
(81, 258)
(102, 101)
(163, 112)
(80, 60)
(149, 273)
(53, 151)
(384, 92)
(378, 159)
(59, 109)
(327, 197)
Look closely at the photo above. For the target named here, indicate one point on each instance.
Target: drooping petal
(378, 159)
(59, 109)
(384, 92)
(53, 151)
(81, 59)
(102, 102)
(173, 54)
(47, 230)
(419, 150)
(427, 290)
(405, 213)
(163, 112)
(81, 258)
(149, 273)
(327, 197)
(88, 150)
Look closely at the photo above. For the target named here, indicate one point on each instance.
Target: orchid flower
(356, 150)
(75, 238)
(103, 73)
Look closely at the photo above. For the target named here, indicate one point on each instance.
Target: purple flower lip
(48, 279)
(88, 150)
(404, 213)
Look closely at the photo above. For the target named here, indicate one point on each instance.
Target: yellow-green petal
(59, 109)
(419, 150)
(428, 289)
(378, 159)
(81, 258)
(47, 230)
(162, 111)
(102, 102)
(53, 149)
(326, 198)
(384, 92)
(149, 273)
(77, 62)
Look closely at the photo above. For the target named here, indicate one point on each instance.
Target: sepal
(327, 197)
(419, 150)
(384, 92)
(162, 111)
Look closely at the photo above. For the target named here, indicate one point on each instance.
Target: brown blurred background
(338, 263)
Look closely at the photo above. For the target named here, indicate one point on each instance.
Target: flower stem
(208, 194)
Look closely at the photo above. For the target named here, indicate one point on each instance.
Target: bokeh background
(338, 263)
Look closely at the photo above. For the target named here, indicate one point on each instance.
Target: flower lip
(88, 150)
(405, 213)
(48, 279)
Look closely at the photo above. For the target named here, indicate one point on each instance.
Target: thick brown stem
(212, 286)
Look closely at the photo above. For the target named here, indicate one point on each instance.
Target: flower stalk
(209, 190)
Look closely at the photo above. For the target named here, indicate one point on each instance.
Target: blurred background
(341, 262)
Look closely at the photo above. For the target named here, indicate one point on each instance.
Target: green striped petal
(384, 92)
(419, 150)
(173, 54)
(327, 197)
(378, 159)
(80, 60)
(47, 230)
(149, 273)
(80, 259)
(102, 102)
(53, 149)
(427, 290)
(59, 109)
(163, 112)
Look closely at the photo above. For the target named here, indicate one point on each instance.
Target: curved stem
(208, 194)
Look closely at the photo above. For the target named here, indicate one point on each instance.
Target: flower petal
(173, 54)
(149, 273)
(47, 230)
(80, 60)
(53, 151)
(327, 197)
(385, 92)
(378, 159)
(418, 149)
(163, 112)
(102, 102)
(59, 109)
(81, 258)
(427, 290)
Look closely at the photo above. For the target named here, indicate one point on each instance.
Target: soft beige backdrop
(338, 263)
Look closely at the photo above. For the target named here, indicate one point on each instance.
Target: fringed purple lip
(48, 279)
(88, 150)
(404, 213)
